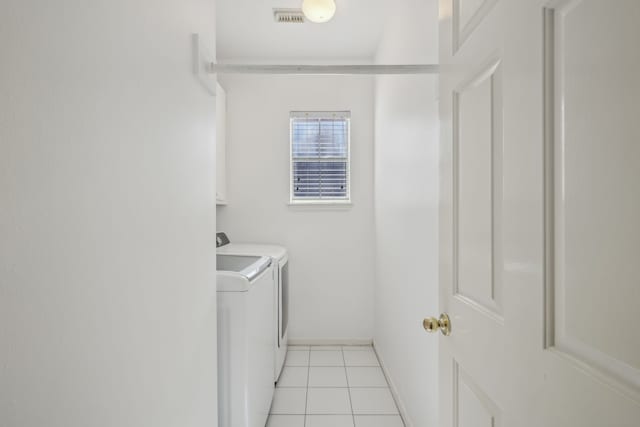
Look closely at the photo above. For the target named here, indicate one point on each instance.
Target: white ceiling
(246, 30)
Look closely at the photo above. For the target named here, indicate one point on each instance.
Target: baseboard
(330, 341)
(394, 390)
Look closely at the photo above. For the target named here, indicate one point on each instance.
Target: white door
(540, 217)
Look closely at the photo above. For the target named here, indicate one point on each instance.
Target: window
(320, 157)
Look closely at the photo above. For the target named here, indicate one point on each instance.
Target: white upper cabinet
(221, 145)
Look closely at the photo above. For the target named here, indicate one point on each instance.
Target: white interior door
(540, 189)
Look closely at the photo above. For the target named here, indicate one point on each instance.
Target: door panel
(466, 10)
(472, 406)
(477, 148)
(467, 15)
(597, 202)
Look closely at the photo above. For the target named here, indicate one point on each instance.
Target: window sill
(345, 204)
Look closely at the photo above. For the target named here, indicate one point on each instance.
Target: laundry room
(339, 171)
(319, 213)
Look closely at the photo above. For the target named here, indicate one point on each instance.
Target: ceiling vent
(288, 16)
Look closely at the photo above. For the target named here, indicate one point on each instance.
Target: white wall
(331, 249)
(406, 211)
(107, 183)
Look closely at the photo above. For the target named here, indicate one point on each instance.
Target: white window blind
(320, 157)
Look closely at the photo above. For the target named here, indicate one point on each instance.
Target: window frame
(346, 115)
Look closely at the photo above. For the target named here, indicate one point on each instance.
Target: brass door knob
(431, 324)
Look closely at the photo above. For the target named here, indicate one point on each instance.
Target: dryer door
(283, 314)
(282, 282)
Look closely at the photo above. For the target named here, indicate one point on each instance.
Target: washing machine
(280, 259)
(245, 341)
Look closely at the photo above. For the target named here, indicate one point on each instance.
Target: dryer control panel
(221, 239)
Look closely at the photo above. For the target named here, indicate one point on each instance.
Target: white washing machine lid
(248, 266)
(256, 249)
(239, 273)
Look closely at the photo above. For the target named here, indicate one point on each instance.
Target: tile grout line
(387, 380)
(353, 417)
(348, 387)
(306, 400)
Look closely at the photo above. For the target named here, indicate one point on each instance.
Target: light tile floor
(333, 386)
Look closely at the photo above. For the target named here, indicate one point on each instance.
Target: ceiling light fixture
(319, 11)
